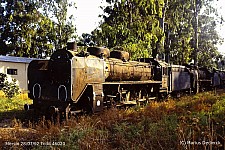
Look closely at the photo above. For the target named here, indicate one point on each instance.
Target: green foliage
(2, 80)
(86, 39)
(64, 28)
(73, 139)
(137, 27)
(218, 109)
(208, 39)
(10, 89)
(27, 31)
(133, 25)
(15, 103)
(180, 16)
(144, 133)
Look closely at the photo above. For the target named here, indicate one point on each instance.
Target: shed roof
(16, 59)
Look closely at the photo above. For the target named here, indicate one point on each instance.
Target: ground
(190, 122)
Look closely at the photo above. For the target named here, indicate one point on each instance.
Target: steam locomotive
(71, 82)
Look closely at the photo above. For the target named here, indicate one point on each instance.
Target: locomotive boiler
(72, 82)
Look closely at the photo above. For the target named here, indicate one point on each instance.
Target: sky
(221, 29)
(86, 17)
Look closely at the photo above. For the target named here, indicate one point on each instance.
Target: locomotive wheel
(176, 94)
(59, 117)
(164, 95)
(35, 116)
(142, 97)
(55, 118)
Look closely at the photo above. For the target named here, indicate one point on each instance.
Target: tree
(180, 16)
(86, 39)
(131, 24)
(10, 89)
(142, 27)
(208, 54)
(57, 10)
(27, 31)
(22, 27)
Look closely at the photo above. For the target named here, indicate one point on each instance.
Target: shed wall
(21, 75)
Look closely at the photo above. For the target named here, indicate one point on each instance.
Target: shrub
(10, 89)
(2, 80)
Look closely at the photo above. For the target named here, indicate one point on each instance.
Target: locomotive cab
(164, 75)
(160, 73)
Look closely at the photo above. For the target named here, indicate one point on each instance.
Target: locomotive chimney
(72, 46)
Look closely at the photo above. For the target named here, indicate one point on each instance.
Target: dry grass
(170, 124)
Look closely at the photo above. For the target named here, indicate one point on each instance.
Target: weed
(191, 122)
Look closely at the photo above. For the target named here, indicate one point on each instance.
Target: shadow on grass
(7, 117)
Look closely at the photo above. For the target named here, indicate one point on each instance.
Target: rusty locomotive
(71, 82)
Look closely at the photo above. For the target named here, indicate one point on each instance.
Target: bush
(10, 89)
(2, 80)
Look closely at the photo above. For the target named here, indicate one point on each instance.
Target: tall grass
(191, 122)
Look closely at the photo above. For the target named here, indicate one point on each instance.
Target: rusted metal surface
(85, 70)
(133, 82)
(125, 56)
(118, 70)
(99, 51)
(97, 104)
(165, 81)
